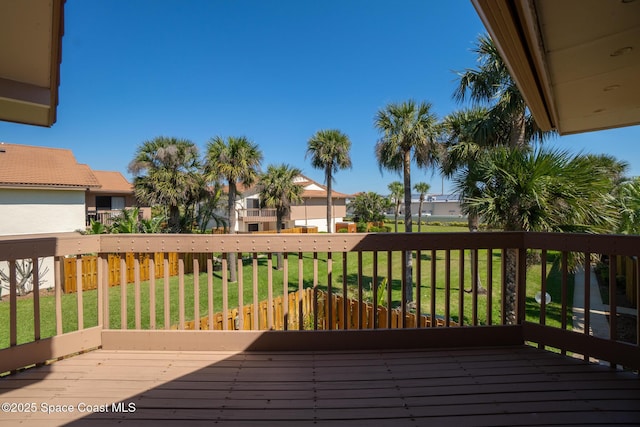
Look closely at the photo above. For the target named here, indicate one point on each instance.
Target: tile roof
(28, 166)
(112, 182)
(319, 192)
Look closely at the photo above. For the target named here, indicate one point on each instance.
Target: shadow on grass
(554, 289)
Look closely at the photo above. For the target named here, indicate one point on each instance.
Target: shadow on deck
(502, 385)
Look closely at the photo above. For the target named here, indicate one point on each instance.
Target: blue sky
(274, 71)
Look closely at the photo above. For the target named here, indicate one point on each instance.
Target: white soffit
(30, 44)
(584, 56)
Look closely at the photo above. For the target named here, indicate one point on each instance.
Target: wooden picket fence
(89, 265)
(293, 230)
(302, 309)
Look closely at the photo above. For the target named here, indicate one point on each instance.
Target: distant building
(114, 194)
(435, 205)
(438, 205)
(311, 212)
(45, 190)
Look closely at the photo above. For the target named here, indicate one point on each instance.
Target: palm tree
(278, 190)
(329, 150)
(422, 188)
(539, 190)
(237, 161)
(396, 188)
(171, 178)
(407, 128)
(127, 222)
(210, 203)
(468, 135)
(628, 194)
(491, 85)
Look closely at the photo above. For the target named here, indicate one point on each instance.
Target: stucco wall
(313, 209)
(24, 211)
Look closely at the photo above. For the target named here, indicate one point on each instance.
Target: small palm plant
(96, 227)
(127, 222)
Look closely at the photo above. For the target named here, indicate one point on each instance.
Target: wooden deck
(511, 386)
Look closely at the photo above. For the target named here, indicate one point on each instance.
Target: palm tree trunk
(408, 276)
(420, 215)
(174, 219)
(329, 201)
(232, 227)
(511, 270)
(395, 216)
(473, 222)
(518, 137)
(511, 287)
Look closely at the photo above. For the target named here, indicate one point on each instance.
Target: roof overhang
(30, 54)
(576, 62)
(11, 186)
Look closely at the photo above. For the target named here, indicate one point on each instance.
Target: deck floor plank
(466, 386)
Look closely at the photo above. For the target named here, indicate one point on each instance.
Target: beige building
(45, 190)
(312, 212)
(42, 190)
(114, 194)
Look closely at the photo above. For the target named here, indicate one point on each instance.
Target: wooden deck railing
(460, 279)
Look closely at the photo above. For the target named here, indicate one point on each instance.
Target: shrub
(458, 224)
(343, 230)
(361, 227)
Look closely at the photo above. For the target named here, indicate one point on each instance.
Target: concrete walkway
(599, 326)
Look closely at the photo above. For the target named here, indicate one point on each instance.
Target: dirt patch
(626, 327)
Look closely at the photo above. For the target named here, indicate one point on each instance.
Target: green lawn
(69, 301)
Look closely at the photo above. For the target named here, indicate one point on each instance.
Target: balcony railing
(104, 217)
(327, 282)
(257, 214)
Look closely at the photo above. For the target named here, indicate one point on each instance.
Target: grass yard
(69, 301)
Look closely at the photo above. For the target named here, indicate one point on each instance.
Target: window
(117, 203)
(103, 203)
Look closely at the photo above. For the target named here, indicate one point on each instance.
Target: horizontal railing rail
(256, 212)
(331, 282)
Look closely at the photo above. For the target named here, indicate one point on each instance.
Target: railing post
(587, 297)
(57, 266)
(136, 294)
(489, 286)
(447, 288)
(256, 304)
(345, 293)
(461, 288)
(36, 299)
(240, 270)
(152, 291)
(123, 291)
(432, 295)
(360, 293)
(521, 285)
(374, 284)
(329, 305)
(13, 304)
(79, 292)
(103, 290)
